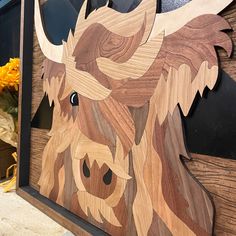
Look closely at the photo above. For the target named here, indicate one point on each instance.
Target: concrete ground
(19, 218)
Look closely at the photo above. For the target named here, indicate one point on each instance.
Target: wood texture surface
(37, 85)
(113, 146)
(229, 64)
(137, 65)
(39, 138)
(218, 176)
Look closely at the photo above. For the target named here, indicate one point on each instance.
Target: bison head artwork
(118, 84)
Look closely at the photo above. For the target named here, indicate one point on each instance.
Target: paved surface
(19, 218)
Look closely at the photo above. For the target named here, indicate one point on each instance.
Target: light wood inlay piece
(49, 50)
(137, 65)
(164, 22)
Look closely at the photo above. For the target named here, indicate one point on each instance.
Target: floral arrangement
(10, 75)
(9, 86)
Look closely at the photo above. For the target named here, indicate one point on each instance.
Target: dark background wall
(9, 30)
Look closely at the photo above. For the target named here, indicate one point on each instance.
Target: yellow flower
(10, 74)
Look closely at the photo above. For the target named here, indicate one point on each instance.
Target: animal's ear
(186, 64)
(52, 75)
(191, 63)
(53, 85)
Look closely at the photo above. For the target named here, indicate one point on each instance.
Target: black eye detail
(86, 170)
(74, 99)
(107, 178)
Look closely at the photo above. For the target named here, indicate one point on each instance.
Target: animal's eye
(74, 99)
(107, 178)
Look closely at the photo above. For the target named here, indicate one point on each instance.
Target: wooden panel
(39, 139)
(37, 85)
(103, 125)
(218, 176)
(229, 64)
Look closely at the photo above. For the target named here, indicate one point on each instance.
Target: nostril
(107, 178)
(86, 170)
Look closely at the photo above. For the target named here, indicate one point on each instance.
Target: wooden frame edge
(25, 88)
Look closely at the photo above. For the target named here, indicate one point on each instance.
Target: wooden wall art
(112, 158)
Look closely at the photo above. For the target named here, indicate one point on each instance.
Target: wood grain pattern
(37, 86)
(107, 44)
(39, 139)
(197, 33)
(218, 176)
(85, 52)
(137, 65)
(105, 133)
(145, 12)
(120, 119)
(179, 64)
(86, 85)
(89, 115)
(180, 190)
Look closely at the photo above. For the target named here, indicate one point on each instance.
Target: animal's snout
(99, 181)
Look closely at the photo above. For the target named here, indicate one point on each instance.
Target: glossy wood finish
(132, 141)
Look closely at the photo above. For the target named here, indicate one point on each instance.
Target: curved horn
(137, 65)
(172, 21)
(51, 51)
(123, 24)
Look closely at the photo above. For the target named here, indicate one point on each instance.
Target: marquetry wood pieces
(116, 158)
